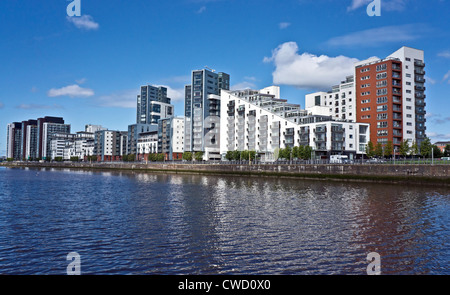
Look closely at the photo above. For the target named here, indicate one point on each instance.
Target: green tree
(276, 154)
(229, 156)
(370, 149)
(295, 152)
(388, 149)
(160, 157)
(437, 153)
(252, 155)
(414, 148)
(287, 153)
(187, 156)
(74, 159)
(307, 152)
(447, 150)
(378, 150)
(236, 155)
(198, 156)
(151, 157)
(244, 155)
(404, 148)
(425, 148)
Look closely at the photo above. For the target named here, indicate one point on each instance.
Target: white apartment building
(413, 88)
(340, 101)
(171, 137)
(259, 120)
(360, 98)
(148, 143)
(110, 145)
(49, 130)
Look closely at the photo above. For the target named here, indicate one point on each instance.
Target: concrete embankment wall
(419, 174)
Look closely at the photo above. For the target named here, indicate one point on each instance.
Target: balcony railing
(419, 63)
(419, 71)
(420, 95)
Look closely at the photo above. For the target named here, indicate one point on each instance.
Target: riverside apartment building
(261, 121)
(388, 94)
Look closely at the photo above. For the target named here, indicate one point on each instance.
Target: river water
(131, 223)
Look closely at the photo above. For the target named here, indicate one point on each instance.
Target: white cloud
(38, 106)
(381, 36)
(81, 81)
(308, 71)
(201, 10)
(71, 90)
(243, 85)
(357, 4)
(122, 99)
(127, 98)
(435, 136)
(176, 94)
(430, 80)
(388, 5)
(445, 54)
(446, 76)
(283, 25)
(85, 22)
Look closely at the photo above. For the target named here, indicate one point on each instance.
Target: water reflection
(129, 222)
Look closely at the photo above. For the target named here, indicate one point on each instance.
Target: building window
(382, 124)
(382, 67)
(382, 91)
(382, 99)
(382, 76)
(382, 108)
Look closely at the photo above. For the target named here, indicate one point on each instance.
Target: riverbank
(417, 174)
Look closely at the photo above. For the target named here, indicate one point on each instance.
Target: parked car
(375, 160)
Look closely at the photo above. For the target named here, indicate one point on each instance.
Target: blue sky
(89, 69)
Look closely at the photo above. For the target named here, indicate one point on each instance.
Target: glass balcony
(419, 63)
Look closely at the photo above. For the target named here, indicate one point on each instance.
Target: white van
(338, 159)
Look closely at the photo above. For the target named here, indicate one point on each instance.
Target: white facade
(148, 143)
(177, 135)
(251, 120)
(413, 93)
(171, 136)
(93, 128)
(341, 101)
(49, 129)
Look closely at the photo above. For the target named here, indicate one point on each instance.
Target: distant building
(442, 144)
(202, 112)
(60, 145)
(260, 121)
(153, 104)
(45, 128)
(134, 133)
(13, 141)
(147, 144)
(388, 94)
(110, 146)
(171, 138)
(339, 102)
(49, 131)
